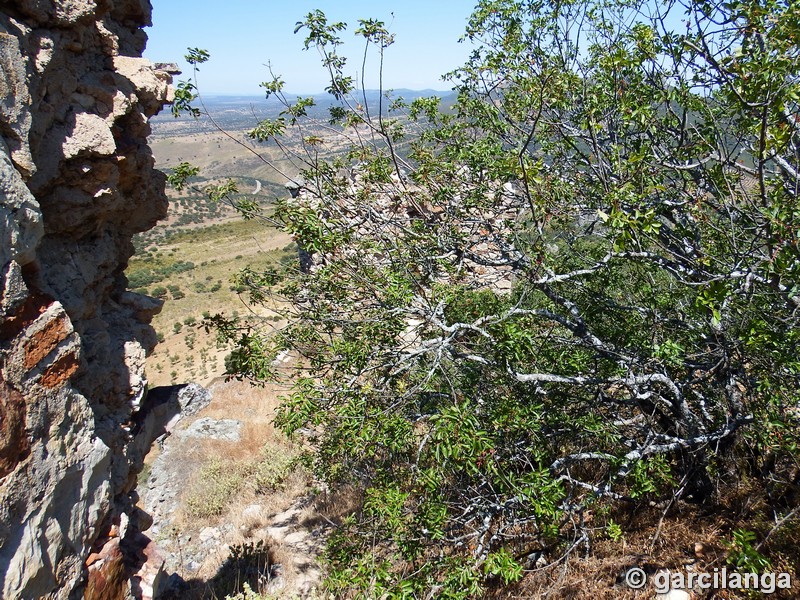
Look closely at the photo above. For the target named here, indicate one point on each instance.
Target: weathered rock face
(484, 255)
(76, 182)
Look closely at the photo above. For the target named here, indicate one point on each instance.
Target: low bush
(220, 480)
(217, 483)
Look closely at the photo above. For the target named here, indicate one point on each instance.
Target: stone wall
(482, 250)
(76, 182)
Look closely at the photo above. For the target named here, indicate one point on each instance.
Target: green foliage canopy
(579, 287)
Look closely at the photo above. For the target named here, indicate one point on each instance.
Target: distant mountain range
(326, 98)
(243, 111)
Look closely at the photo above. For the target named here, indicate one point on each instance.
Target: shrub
(582, 290)
(248, 594)
(176, 292)
(274, 466)
(217, 482)
(142, 278)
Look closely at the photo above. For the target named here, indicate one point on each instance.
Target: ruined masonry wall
(76, 182)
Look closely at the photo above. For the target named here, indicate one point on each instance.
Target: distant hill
(223, 100)
(241, 112)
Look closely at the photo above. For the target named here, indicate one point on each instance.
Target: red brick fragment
(44, 341)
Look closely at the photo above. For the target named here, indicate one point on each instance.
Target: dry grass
(218, 156)
(330, 507)
(218, 252)
(688, 538)
(243, 470)
(249, 482)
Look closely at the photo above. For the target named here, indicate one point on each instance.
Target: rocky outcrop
(76, 182)
(480, 240)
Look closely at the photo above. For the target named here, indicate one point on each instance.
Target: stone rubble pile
(479, 238)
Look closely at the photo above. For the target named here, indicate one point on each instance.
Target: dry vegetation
(259, 490)
(261, 445)
(218, 155)
(192, 272)
(686, 538)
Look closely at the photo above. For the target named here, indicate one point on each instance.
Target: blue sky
(244, 35)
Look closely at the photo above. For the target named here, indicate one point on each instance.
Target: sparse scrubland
(549, 335)
(192, 270)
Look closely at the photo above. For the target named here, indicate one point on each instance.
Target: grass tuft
(220, 480)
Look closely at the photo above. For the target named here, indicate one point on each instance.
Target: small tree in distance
(577, 288)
